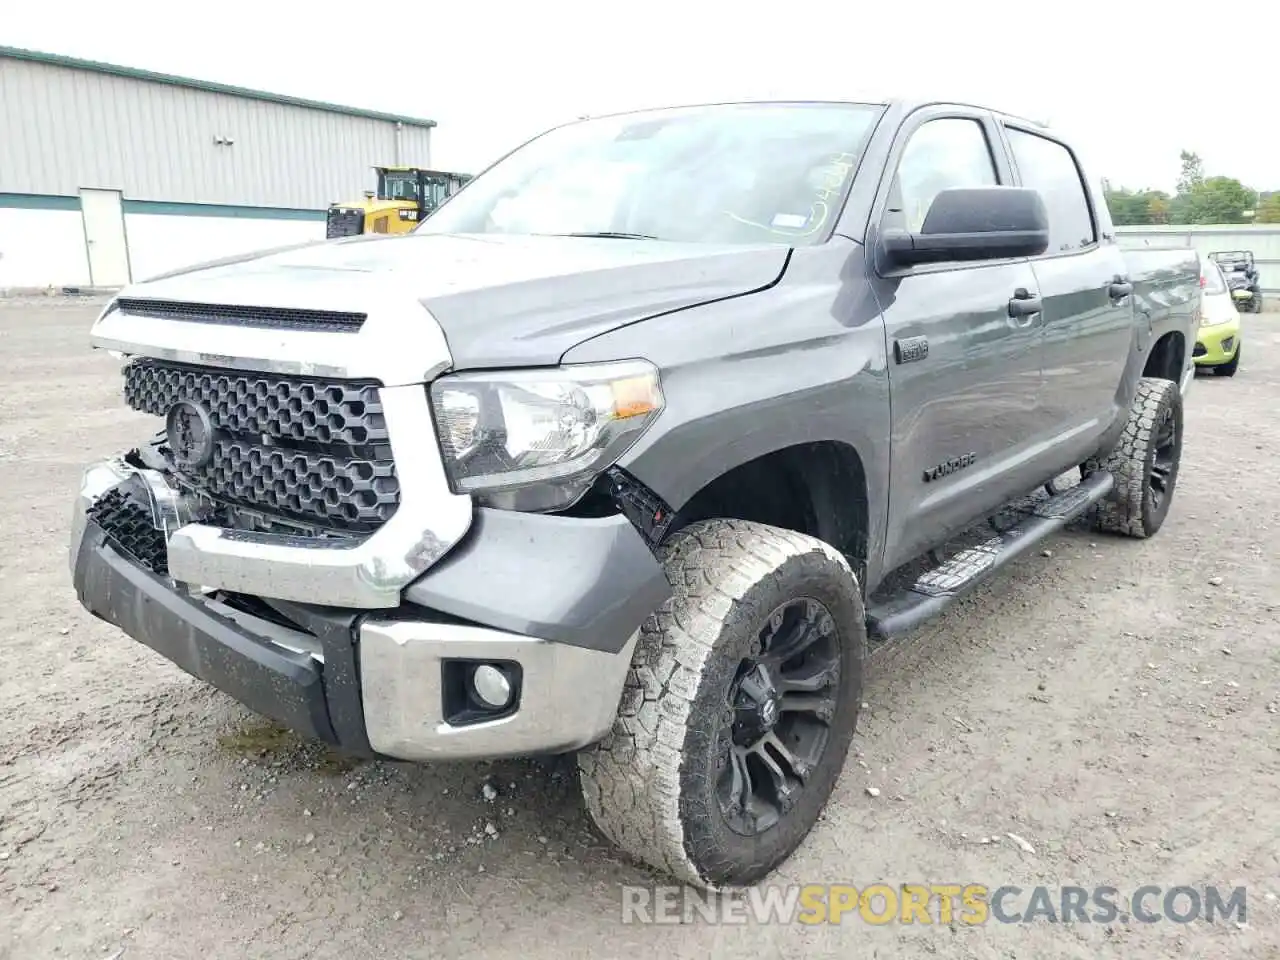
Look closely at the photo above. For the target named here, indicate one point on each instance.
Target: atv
(1241, 274)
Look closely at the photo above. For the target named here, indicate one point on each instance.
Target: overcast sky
(1133, 81)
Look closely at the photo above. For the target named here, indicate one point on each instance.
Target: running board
(938, 588)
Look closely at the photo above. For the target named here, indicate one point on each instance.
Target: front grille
(336, 491)
(310, 450)
(332, 321)
(343, 223)
(308, 409)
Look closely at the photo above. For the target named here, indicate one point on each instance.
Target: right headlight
(536, 439)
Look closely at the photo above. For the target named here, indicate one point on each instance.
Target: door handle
(1119, 288)
(1024, 303)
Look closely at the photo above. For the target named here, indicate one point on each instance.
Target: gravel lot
(1114, 704)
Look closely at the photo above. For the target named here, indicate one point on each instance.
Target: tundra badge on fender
(948, 467)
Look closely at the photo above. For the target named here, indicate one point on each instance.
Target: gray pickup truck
(617, 451)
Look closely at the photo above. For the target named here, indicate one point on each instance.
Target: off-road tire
(1130, 508)
(650, 784)
(1229, 368)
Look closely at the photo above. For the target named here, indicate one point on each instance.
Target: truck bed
(1166, 288)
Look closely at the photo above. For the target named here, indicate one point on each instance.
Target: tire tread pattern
(631, 780)
(1121, 511)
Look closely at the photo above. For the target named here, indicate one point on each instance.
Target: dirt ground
(1110, 702)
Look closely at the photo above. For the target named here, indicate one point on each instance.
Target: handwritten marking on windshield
(830, 180)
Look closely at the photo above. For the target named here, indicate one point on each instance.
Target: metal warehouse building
(110, 174)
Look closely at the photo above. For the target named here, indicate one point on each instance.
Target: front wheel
(1144, 463)
(739, 708)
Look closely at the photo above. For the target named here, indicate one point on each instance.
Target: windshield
(739, 173)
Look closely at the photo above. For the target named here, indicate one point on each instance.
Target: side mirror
(974, 223)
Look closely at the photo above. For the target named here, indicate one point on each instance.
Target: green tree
(1268, 209)
(1192, 174)
(1157, 207)
(1199, 200)
(1127, 208)
(1218, 200)
(1136, 208)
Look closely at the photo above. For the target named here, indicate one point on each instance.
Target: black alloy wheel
(778, 712)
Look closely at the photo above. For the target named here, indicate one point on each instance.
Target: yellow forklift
(404, 196)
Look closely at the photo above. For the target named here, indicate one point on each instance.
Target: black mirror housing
(974, 223)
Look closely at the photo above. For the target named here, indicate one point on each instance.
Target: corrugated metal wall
(1262, 239)
(62, 129)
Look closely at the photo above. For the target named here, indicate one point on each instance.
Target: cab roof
(899, 105)
(403, 169)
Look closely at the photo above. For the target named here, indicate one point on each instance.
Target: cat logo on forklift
(948, 467)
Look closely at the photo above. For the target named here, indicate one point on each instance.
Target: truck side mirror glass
(974, 223)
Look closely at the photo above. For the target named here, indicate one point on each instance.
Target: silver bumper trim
(569, 697)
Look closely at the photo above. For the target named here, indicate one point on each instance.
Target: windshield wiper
(611, 235)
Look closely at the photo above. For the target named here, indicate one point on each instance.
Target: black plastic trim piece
(338, 632)
(282, 685)
(275, 318)
(647, 511)
(456, 706)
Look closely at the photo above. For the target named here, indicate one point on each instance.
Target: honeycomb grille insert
(285, 408)
(308, 450)
(128, 528)
(233, 315)
(345, 493)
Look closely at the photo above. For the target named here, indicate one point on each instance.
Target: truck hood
(500, 300)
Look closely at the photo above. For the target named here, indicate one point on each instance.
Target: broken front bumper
(387, 682)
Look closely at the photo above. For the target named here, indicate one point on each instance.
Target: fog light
(491, 686)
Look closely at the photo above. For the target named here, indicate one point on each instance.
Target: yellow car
(1218, 339)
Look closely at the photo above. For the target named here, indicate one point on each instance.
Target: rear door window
(1048, 166)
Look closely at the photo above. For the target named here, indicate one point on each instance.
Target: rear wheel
(1144, 463)
(1229, 368)
(738, 712)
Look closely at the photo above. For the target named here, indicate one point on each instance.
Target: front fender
(804, 361)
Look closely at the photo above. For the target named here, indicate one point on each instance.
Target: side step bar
(938, 588)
